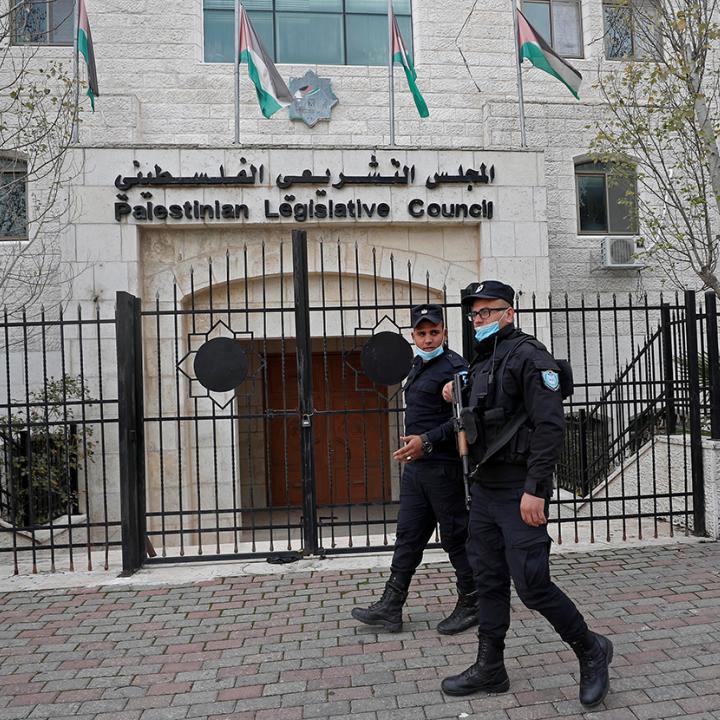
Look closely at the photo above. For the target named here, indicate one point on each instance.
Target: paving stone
(204, 710)
(407, 714)
(56, 710)
(285, 647)
(15, 713)
(327, 710)
(198, 698)
(657, 710)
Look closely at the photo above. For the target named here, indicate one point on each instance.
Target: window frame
(22, 173)
(49, 41)
(343, 13)
(581, 30)
(619, 58)
(633, 56)
(605, 174)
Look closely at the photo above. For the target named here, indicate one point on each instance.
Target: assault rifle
(460, 432)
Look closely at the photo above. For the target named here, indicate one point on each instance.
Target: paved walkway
(283, 646)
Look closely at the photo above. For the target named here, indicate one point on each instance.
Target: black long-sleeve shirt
(530, 379)
(426, 413)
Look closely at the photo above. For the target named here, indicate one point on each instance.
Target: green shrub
(42, 452)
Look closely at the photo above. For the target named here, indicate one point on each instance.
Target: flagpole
(390, 73)
(521, 99)
(75, 133)
(237, 72)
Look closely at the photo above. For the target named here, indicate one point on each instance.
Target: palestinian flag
(85, 47)
(400, 56)
(272, 92)
(542, 56)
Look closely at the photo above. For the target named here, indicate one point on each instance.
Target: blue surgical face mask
(429, 354)
(486, 331)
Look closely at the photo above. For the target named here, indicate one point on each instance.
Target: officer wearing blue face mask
(431, 489)
(514, 393)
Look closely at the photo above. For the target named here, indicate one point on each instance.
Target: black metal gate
(294, 460)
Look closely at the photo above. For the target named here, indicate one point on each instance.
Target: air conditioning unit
(619, 253)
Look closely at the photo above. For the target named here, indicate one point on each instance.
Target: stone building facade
(163, 104)
(157, 186)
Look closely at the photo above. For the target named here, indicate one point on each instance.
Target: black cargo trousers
(502, 546)
(431, 493)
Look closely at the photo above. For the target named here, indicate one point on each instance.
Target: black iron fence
(645, 397)
(113, 429)
(58, 441)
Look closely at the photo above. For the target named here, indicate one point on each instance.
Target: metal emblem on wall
(313, 98)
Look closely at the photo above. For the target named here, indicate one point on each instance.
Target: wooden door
(352, 455)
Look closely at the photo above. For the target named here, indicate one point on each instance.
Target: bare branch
(37, 107)
(663, 113)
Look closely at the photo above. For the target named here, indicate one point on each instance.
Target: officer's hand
(411, 450)
(532, 510)
(447, 392)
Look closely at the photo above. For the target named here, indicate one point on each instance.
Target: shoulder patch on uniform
(551, 380)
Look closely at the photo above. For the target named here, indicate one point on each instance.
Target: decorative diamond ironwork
(197, 340)
(385, 324)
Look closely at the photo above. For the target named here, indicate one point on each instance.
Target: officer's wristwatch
(427, 446)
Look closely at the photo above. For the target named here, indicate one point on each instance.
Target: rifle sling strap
(506, 435)
(517, 420)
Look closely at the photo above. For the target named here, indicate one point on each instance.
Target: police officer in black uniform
(514, 390)
(431, 489)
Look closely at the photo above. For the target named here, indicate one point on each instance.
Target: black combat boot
(464, 616)
(387, 611)
(594, 653)
(488, 674)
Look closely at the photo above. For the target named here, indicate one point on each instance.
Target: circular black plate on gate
(220, 364)
(386, 358)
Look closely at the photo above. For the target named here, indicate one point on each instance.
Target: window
(13, 206)
(353, 32)
(605, 199)
(559, 22)
(43, 22)
(631, 30)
